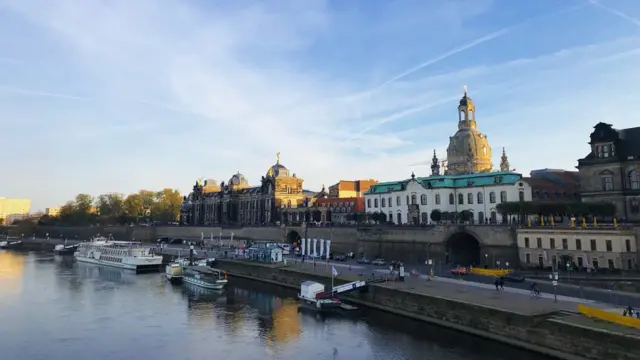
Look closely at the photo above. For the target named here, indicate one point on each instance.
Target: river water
(56, 309)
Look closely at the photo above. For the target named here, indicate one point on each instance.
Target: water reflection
(66, 309)
(11, 273)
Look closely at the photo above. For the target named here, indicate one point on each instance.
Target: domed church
(469, 151)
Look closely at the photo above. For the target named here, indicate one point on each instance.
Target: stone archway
(463, 249)
(293, 238)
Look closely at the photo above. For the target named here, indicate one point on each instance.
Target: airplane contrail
(615, 12)
(15, 90)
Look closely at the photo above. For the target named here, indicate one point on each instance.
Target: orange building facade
(343, 198)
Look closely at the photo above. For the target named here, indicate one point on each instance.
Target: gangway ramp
(342, 289)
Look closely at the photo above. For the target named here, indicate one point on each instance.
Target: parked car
(163, 240)
(364, 260)
(460, 270)
(379, 262)
(340, 258)
(514, 277)
(176, 241)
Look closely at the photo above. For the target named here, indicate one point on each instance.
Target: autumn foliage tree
(114, 208)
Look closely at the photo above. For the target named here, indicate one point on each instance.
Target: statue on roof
(504, 161)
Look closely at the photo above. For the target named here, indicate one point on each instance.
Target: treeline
(115, 209)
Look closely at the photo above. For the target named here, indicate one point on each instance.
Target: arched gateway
(463, 249)
(293, 237)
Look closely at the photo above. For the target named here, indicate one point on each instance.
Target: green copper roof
(450, 181)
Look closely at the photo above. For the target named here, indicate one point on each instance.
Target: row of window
(581, 262)
(413, 199)
(607, 180)
(339, 204)
(111, 258)
(565, 244)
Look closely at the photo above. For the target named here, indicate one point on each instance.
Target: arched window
(408, 200)
(425, 218)
(423, 199)
(437, 199)
(399, 217)
(634, 180)
(521, 195)
(398, 201)
(451, 199)
(289, 203)
(460, 199)
(469, 198)
(414, 199)
(391, 204)
(383, 202)
(481, 217)
(375, 203)
(492, 197)
(494, 217)
(480, 198)
(503, 196)
(391, 217)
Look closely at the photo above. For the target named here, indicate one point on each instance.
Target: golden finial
(278, 157)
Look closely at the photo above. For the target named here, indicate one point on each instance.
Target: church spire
(504, 161)
(435, 165)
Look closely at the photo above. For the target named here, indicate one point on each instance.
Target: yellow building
(583, 248)
(351, 188)
(14, 209)
(52, 211)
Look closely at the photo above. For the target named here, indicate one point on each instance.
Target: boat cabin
(311, 289)
(205, 273)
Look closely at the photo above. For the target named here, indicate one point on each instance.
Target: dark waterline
(56, 309)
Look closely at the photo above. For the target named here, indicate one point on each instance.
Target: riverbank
(553, 329)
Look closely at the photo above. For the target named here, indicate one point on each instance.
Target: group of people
(630, 311)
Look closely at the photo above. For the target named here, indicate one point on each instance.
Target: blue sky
(117, 96)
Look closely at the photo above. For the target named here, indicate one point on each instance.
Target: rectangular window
(565, 244)
(539, 240)
(609, 245)
(552, 243)
(607, 183)
(578, 244)
(526, 242)
(627, 244)
(527, 258)
(594, 247)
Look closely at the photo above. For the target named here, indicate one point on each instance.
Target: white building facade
(582, 248)
(412, 201)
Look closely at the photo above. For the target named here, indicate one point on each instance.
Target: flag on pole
(334, 272)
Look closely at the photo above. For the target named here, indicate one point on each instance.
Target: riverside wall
(546, 334)
(410, 244)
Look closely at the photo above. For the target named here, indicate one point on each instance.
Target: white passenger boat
(205, 277)
(120, 254)
(10, 244)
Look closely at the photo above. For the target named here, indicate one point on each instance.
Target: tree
(147, 200)
(436, 215)
(166, 207)
(382, 217)
(110, 205)
(465, 215)
(133, 206)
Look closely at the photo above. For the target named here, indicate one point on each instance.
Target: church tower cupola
(504, 161)
(466, 112)
(435, 165)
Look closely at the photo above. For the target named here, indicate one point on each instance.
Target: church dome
(469, 150)
(237, 179)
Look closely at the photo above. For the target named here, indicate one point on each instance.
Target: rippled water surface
(53, 308)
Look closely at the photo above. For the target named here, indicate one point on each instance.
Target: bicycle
(535, 293)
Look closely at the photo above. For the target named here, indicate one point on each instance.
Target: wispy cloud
(615, 12)
(11, 61)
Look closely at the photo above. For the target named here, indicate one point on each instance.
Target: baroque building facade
(469, 182)
(611, 170)
(238, 203)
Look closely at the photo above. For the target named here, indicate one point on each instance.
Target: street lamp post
(486, 260)
(554, 278)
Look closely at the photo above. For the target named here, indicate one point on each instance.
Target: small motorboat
(174, 273)
(205, 277)
(62, 249)
(10, 244)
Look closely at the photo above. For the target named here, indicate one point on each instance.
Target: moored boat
(174, 273)
(313, 296)
(62, 249)
(10, 244)
(205, 277)
(120, 254)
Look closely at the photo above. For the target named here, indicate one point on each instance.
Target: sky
(117, 96)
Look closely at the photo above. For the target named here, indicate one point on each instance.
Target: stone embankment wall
(544, 334)
(405, 243)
